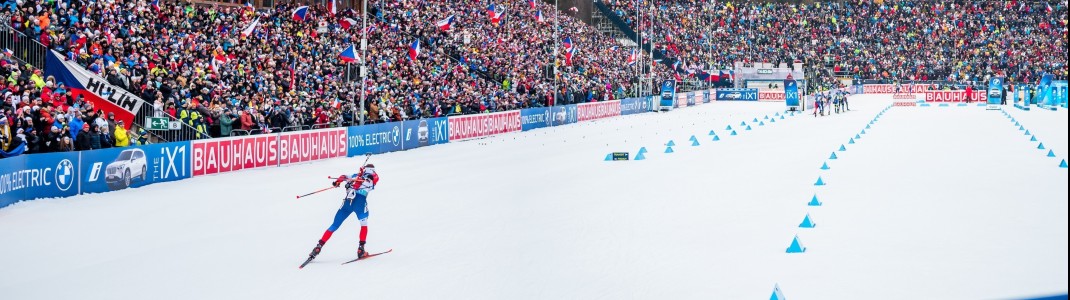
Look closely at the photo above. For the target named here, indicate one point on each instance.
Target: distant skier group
(828, 102)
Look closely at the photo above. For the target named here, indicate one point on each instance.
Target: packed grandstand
(227, 69)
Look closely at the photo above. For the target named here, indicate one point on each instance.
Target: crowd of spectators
(884, 40)
(39, 115)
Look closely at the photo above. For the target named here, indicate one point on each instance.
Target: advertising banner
(668, 93)
(534, 118)
(891, 89)
(691, 99)
(791, 92)
(424, 132)
(247, 152)
(771, 96)
(374, 138)
(635, 105)
(95, 90)
(113, 169)
(564, 114)
(736, 95)
(42, 175)
(681, 100)
(597, 110)
(706, 96)
(995, 91)
(481, 125)
(954, 96)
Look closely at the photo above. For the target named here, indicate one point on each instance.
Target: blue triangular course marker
(640, 156)
(729, 127)
(1062, 164)
(863, 131)
(813, 201)
(671, 143)
(867, 126)
(1041, 146)
(642, 149)
(733, 132)
(1027, 132)
(748, 127)
(858, 136)
(807, 222)
(824, 166)
(761, 123)
(1020, 127)
(1051, 153)
(668, 150)
(1016, 124)
(694, 143)
(1033, 139)
(842, 148)
(777, 294)
(833, 156)
(772, 120)
(609, 157)
(742, 123)
(712, 133)
(781, 117)
(692, 138)
(716, 138)
(766, 117)
(777, 114)
(852, 141)
(819, 182)
(796, 246)
(755, 120)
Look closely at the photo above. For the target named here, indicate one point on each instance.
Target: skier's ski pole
(310, 194)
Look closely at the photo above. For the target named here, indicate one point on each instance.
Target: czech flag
(532, 3)
(414, 50)
(249, 30)
(631, 58)
(332, 6)
(1047, 7)
(490, 11)
(569, 52)
(156, 5)
(346, 23)
(349, 54)
(249, 6)
(538, 17)
(496, 15)
(567, 42)
(300, 14)
(444, 24)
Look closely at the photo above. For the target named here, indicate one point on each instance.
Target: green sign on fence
(157, 123)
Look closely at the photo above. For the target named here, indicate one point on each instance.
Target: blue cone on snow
(1041, 146)
(668, 149)
(777, 114)
(796, 246)
(1020, 127)
(642, 149)
(716, 138)
(1017, 124)
(813, 201)
(755, 120)
(772, 120)
(733, 132)
(1062, 164)
(1027, 132)
(867, 126)
(609, 157)
(640, 156)
(712, 133)
(692, 138)
(729, 127)
(781, 117)
(742, 123)
(694, 143)
(671, 143)
(748, 127)
(766, 117)
(833, 156)
(842, 148)
(852, 141)
(858, 136)
(1033, 139)
(807, 222)
(863, 131)
(777, 294)
(762, 123)
(1051, 153)
(819, 181)
(825, 166)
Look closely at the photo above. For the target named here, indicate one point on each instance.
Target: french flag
(349, 54)
(414, 50)
(444, 24)
(538, 17)
(346, 23)
(300, 14)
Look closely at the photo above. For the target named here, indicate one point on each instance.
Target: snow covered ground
(930, 203)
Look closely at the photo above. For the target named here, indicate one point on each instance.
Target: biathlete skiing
(356, 202)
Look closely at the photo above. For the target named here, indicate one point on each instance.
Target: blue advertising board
(534, 118)
(995, 90)
(691, 98)
(791, 92)
(706, 96)
(43, 175)
(668, 93)
(736, 94)
(424, 132)
(635, 105)
(373, 138)
(113, 169)
(564, 114)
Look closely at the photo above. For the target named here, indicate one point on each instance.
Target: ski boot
(360, 250)
(315, 251)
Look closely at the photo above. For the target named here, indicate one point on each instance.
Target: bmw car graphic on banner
(119, 168)
(736, 95)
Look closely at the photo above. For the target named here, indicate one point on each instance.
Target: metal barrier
(23, 48)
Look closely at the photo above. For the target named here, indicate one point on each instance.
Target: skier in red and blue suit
(356, 201)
